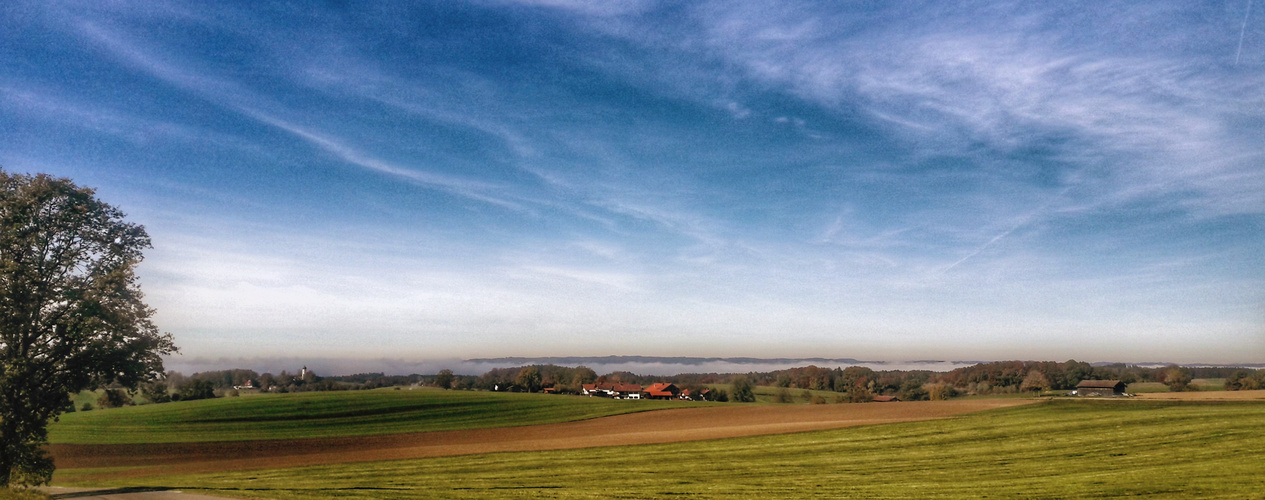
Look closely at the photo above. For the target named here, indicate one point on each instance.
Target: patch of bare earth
(1206, 396)
(665, 426)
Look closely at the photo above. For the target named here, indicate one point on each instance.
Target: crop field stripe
(1060, 449)
(332, 414)
(681, 424)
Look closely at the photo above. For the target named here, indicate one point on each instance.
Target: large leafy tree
(71, 311)
(742, 390)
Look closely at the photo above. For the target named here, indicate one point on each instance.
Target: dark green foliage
(114, 398)
(443, 379)
(550, 376)
(912, 390)
(782, 396)
(742, 390)
(194, 390)
(71, 312)
(156, 392)
(529, 379)
(1241, 380)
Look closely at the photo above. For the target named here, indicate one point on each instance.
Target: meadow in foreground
(1056, 449)
(331, 414)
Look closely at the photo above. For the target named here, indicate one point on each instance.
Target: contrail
(1242, 30)
(982, 247)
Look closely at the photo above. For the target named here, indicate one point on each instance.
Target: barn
(1100, 388)
(662, 391)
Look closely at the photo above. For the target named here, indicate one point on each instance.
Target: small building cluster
(634, 391)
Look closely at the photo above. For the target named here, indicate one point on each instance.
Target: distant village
(853, 384)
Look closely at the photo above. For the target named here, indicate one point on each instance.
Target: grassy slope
(329, 414)
(1058, 449)
(16, 494)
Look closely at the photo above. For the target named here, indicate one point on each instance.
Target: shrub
(196, 389)
(114, 398)
(941, 392)
(156, 392)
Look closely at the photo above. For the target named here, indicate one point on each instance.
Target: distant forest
(854, 383)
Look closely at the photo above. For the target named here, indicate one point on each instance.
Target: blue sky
(876, 180)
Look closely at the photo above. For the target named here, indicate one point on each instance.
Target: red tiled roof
(659, 394)
(627, 388)
(885, 399)
(589, 387)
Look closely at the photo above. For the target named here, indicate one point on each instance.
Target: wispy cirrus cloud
(237, 98)
(613, 175)
(1150, 124)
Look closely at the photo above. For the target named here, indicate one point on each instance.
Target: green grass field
(331, 414)
(10, 494)
(765, 394)
(1199, 384)
(1056, 449)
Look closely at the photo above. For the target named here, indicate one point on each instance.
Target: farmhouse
(612, 390)
(627, 391)
(1100, 388)
(690, 396)
(599, 390)
(662, 391)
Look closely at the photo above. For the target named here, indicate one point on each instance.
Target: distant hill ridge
(669, 360)
(695, 361)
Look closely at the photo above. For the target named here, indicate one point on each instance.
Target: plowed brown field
(665, 426)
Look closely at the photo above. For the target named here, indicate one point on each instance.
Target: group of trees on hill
(534, 378)
(853, 384)
(1018, 376)
(1245, 380)
(862, 384)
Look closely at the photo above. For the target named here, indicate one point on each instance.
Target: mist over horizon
(646, 365)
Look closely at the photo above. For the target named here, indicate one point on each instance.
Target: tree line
(862, 384)
(853, 383)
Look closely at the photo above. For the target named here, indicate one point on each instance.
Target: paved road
(122, 494)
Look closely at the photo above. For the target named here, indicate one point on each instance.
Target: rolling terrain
(331, 414)
(1186, 446)
(100, 462)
